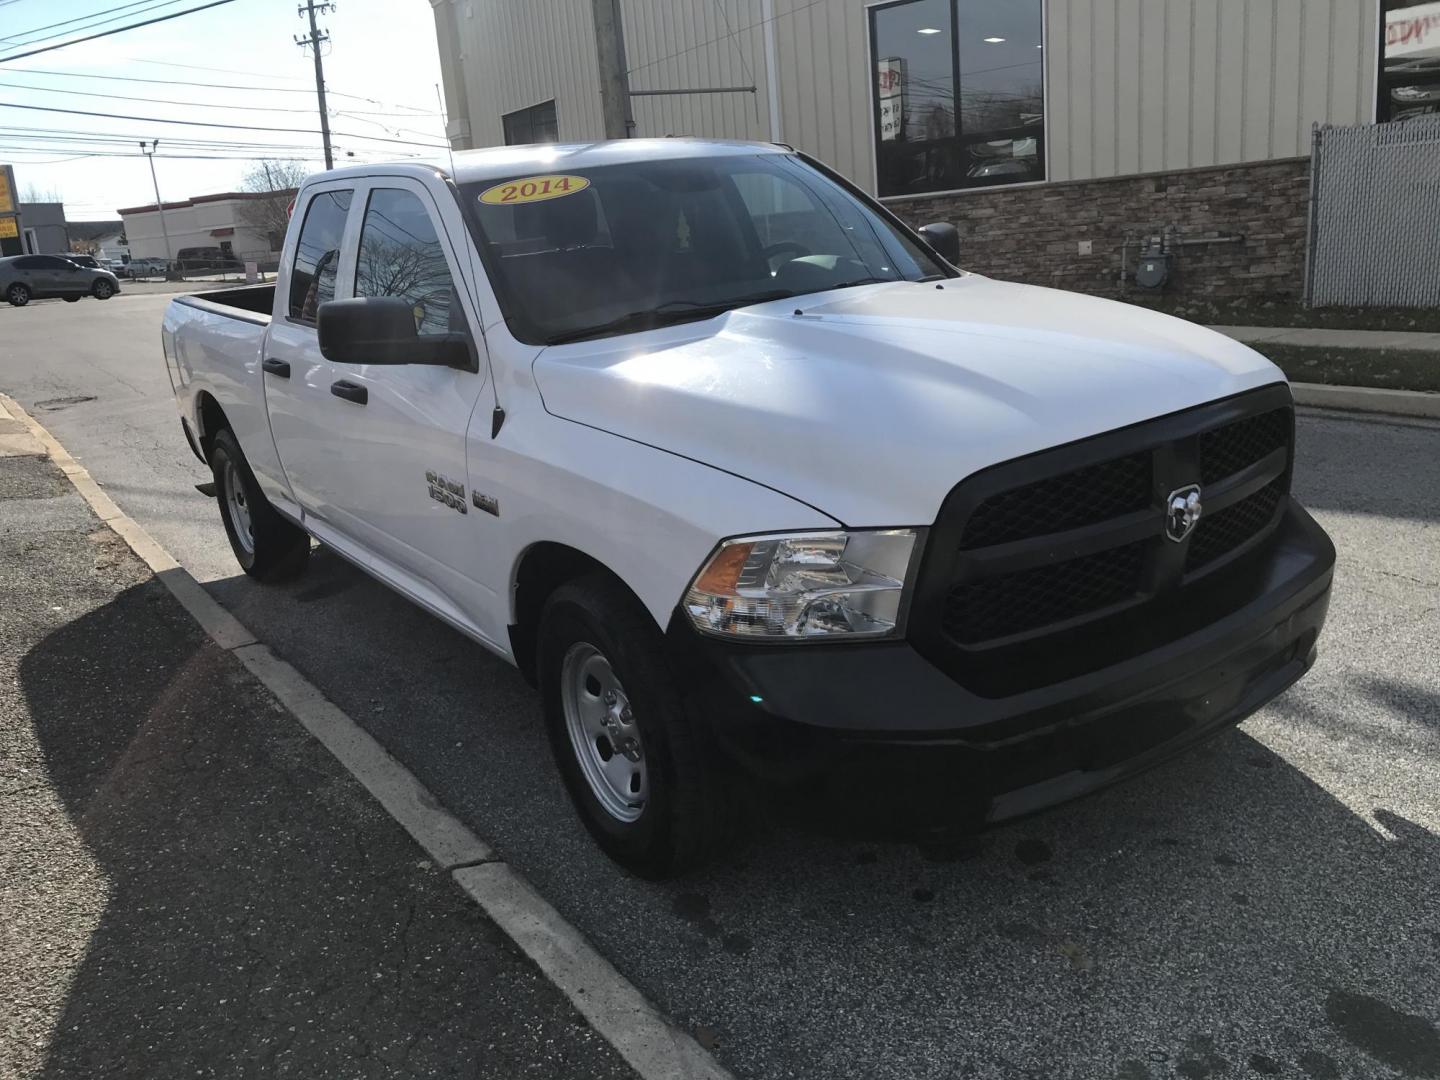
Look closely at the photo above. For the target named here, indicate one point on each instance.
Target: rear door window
(317, 254)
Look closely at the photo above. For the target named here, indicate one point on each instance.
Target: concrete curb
(654, 1047)
(1366, 399)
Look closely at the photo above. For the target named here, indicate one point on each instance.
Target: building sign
(1413, 32)
(7, 190)
(890, 85)
(9, 228)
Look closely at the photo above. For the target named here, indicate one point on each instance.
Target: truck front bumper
(882, 715)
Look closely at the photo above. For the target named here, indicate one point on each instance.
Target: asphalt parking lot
(1266, 906)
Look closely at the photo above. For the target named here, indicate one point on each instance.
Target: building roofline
(238, 196)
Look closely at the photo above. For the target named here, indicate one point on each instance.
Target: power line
(163, 101)
(203, 67)
(211, 123)
(219, 86)
(117, 30)
(156, 6)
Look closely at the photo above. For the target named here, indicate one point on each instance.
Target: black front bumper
(792, 712)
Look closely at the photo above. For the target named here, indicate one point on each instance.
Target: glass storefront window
(1410, 46)
(959, 94)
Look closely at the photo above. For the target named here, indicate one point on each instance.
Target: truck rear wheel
(637, 764)
(266, 546)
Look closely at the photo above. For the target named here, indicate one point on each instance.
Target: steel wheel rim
(239, 507)
(603, 733)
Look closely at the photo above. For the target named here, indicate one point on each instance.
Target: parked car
(747, 478)
(87, 261)
(38, 277)
(146, 267)
(206, 260)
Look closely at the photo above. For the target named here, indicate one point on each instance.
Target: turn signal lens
(805, 585)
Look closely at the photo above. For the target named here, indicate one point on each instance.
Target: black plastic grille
(1071, 500)
(1217, 536)
(1036, 553)
(999, 606)
(1227, 450)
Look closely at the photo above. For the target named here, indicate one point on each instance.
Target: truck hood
(871, 403)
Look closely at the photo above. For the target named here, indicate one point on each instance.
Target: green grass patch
(1385, 369)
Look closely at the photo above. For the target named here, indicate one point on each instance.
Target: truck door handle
(276, 367)
(350, 391)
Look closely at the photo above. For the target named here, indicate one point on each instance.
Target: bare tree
(33, 194)
(277, 181)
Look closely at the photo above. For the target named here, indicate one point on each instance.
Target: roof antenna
(497, 415)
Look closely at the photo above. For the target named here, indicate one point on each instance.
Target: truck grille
(1041, 547)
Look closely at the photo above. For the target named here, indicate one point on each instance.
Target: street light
(159, 206)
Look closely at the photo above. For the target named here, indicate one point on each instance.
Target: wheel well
(544, 568)
(212, 419)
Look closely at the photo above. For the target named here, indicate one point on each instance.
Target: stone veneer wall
(1032, 234)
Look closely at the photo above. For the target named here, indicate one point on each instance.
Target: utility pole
(614, 79)
(159, 206)
(314, 41)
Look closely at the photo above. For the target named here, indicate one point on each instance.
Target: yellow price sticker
(530, 189)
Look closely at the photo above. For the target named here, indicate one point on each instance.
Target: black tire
(276, 549)
(71, 299)
(18, 294)
(102, 290)
(686, 818)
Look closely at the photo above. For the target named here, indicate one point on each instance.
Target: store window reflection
(1410, 74)
(958, 94)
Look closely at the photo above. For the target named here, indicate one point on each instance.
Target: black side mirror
(944, 238)
(381, 330)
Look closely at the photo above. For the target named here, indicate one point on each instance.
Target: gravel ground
(189, 885)
(1266, 905)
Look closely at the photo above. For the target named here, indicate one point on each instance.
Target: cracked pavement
(189, 884)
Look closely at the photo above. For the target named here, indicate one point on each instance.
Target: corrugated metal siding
(1150, 85)
(694, 44)
(1133, 85)
(517, 53)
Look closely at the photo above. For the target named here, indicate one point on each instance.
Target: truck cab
(752, 481)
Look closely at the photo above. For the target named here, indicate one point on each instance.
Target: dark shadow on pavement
(264, 917)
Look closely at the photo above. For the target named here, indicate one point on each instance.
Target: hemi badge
(488, 503)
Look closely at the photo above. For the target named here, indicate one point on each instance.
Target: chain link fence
(1375, 215)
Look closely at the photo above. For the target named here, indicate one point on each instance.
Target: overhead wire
(309, 92)
(213, 124)
(155, 5)
(160, 101)
(116, 30)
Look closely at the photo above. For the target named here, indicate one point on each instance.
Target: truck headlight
(805, 586)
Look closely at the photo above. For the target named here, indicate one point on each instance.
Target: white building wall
(191, 226)
(1132, 85)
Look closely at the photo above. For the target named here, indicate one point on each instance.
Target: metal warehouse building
(1066, 138)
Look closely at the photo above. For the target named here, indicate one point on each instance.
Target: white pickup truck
(750, 480)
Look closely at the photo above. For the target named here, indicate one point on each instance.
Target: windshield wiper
(666, 314)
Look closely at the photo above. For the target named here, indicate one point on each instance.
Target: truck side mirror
(381, 330)
(944, 238)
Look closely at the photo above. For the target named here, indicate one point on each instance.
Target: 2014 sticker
(530, 189)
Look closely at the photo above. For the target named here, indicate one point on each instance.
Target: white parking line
(655, 1048)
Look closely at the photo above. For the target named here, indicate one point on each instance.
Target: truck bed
(253, 303)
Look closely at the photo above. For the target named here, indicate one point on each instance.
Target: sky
(381, 69)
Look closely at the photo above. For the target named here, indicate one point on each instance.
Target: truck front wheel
(637, 765)
(266, 546)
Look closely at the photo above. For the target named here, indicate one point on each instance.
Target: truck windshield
(627, 247)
